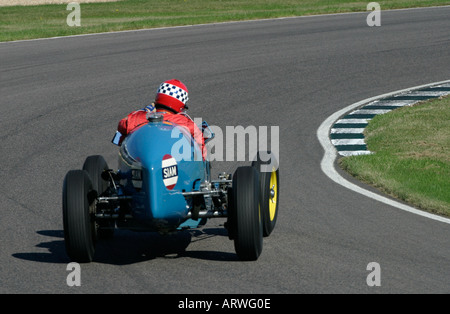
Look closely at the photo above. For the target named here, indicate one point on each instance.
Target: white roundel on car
(169, 171)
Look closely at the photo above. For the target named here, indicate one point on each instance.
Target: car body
(164, 185)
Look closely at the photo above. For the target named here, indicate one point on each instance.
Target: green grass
(412, 155)
(27, 22)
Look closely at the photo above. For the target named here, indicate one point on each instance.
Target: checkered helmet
(172, 94)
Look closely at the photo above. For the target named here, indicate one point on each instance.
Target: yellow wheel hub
(273, 198)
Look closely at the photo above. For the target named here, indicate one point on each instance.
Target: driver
(170, 101)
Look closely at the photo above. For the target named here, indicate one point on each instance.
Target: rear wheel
(246, 217)
(269, 181)
(78, 216)
(94, 166)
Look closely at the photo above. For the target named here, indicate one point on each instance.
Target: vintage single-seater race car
(158, 191)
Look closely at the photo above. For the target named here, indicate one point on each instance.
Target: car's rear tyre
(78, 218)
(246, 218)
(95, 165)
(269, 179)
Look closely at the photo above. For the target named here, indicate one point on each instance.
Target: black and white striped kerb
(347, 133)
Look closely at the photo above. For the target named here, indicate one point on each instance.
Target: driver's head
(172, 95)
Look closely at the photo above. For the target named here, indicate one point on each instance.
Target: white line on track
(219, 23)
(329, 157)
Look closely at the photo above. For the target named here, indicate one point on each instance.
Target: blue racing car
(158, 190)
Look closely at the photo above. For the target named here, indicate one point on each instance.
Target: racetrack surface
(61, 100)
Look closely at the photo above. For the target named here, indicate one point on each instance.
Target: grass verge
(28, 22)
(412, 155)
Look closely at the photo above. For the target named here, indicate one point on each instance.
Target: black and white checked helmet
(172, 94)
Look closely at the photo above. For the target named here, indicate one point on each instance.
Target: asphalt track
(61, 100)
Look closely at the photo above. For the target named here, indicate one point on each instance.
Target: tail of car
(158, 162)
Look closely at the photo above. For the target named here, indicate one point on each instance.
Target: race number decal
(169, 171)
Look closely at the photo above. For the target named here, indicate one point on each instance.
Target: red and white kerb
(169, 171)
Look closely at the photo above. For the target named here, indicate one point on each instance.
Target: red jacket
(139, 118)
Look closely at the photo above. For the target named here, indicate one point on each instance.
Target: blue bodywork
(164, 185)
(158, 162)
